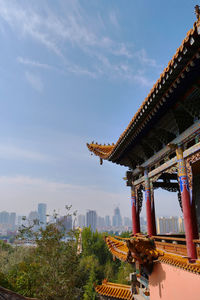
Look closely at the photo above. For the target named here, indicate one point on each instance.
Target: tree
(50, 271)
(90, 293)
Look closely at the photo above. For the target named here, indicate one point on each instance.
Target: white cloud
(145, 60)
(80, 71)
(143, 80)
(72, 29)
(12, 152)
(28, 23)
(33, 63)
(34, 80)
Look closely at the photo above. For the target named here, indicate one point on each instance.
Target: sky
(72, 72)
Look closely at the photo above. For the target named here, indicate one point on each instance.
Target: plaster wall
(171, 283)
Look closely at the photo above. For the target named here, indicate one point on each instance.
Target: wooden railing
(172, 239)
(174, 244)
(171, 244)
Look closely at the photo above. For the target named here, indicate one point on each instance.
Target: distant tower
(33, 218)
(4, 217)
(81, 221)
(107, 221)
(91, 219)
(42, 210)
(12, 220)
(117, 219)
(67, 222)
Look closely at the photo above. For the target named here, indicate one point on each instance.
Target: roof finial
(197, 12)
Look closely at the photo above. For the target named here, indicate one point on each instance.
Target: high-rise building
(91, 219)
(66, 222)
(107, 221)
(117, 219)
(12, 219)
(81, 221)
(100, 222)
(4, 217)
(33, 220)
(181, 226)
(167, 225)
(42, 211)
(127, 222)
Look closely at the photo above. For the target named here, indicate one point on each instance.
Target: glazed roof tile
(118, 291)
(118, 248)
(180, 262)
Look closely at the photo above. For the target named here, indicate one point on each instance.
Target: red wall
(171, 283)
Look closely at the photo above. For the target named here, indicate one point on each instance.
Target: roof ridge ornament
(197, 12)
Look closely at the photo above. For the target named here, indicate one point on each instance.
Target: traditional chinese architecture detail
(135, 212)
(139, 194)
(114, 290)
(168, 183)
(197, 12)
(172, 170)
(117, 247)
(180, 200)
(139, 248)
(189, 162)
(180, 262)
(142, 249)
(102, 151)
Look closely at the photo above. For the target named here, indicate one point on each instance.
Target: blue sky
(72, 72)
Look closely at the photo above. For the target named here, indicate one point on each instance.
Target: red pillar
(185, 197)
(135, 224)
(137, 214)
(148, 204)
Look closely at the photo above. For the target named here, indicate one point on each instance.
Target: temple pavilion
(161, 149)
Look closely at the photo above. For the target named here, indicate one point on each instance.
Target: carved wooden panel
(189, 161)
(139, 196)
(198, 252)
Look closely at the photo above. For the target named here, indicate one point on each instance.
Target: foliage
(52, 270)
(89, 293)
(94, 244)
(123, 273)
(126, 234)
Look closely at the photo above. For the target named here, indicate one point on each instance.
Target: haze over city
(72, 72)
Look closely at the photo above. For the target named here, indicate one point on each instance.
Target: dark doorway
(196, 190)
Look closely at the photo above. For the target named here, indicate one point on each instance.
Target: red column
(134, 211)
(137, 214)
(185, 197)
(148, 204)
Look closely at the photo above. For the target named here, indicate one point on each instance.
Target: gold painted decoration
(103, 151)
(189, 162)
